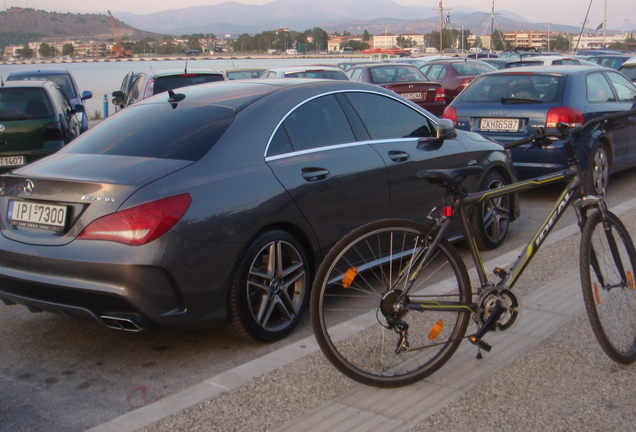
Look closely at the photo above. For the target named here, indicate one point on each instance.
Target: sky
(621, 14)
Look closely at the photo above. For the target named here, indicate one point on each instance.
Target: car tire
(490, 220)
(269, 290)
(598, 169)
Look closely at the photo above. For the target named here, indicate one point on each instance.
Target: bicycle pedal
(500, 273)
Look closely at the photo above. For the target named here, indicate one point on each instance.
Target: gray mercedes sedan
(212, 205)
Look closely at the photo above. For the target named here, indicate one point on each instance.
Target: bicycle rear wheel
(607, 263)
(352, 296)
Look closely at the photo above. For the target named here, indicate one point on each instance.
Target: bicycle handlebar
(541, 137)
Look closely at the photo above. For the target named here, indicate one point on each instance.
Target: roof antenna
(1, 81)
(185, 71)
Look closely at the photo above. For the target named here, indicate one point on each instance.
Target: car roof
(169, 72)
(543, 69)
(238, 94)
(29, 72)
(27, 84)
(302, 68)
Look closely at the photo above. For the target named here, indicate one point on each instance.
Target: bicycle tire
(610, 299)
(349, 324)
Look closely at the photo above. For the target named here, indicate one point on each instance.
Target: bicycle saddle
(450, 177)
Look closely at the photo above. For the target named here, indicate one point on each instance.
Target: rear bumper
(182, 287)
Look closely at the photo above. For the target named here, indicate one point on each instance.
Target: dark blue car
(512, 104)
(65, 81)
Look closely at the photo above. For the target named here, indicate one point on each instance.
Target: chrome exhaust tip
(119, 323)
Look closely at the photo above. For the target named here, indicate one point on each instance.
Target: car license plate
(12, 161)
(499, 125)
(415, 96)
(37, 215)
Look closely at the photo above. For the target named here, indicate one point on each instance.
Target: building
(389, 40)
(335, 43)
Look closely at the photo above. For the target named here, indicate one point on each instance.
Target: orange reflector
(630, 280)
(596, 296)
(349, 277)
(436, 330)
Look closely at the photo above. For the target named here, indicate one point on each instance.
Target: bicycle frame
(574, 193)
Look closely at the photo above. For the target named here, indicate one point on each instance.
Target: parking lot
(68, 375)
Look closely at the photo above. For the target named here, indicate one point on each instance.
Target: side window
(356, 74)
(598, 89)
(135, 92)
(317, 123)
(624, 87)
(436, 72)
(386, 118)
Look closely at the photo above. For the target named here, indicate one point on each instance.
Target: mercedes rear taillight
(138, 225)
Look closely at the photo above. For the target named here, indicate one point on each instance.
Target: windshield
(62, 81)
(390, 74)
(511, 87)
(158, 130)
(162, 84)
(23, 104)
(472, 68)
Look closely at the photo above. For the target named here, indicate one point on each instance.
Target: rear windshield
(337, 75)
(629, 72)
(62, 81)
(162, 84)
(472, 68)
(24, 104)
(389, 74)
(157, 131)
(510, 87)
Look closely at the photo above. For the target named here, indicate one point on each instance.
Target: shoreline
(183, 58)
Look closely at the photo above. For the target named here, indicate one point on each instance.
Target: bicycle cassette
(511, 309)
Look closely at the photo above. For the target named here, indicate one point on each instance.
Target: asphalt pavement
(547, 373)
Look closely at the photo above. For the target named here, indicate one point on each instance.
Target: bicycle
(392, 300)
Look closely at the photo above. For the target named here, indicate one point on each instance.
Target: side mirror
(446, 130)
(87, 94)
(119, 98)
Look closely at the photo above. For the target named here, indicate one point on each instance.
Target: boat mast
(492, 25)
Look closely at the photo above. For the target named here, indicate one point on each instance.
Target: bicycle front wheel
(353, 297)
(607, 263)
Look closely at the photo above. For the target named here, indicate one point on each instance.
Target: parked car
(611, 61)
(629, 69)
(309, 71)
(243, 72)
(499, 63)
(513, 104)
(551, 60)
(36, 120)
(404, 79)
(153, 82)
(217, 208)
(65, 81)
(455, 74)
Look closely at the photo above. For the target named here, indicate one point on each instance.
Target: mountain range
(354, 16)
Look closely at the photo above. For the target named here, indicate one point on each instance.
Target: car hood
(88, 186)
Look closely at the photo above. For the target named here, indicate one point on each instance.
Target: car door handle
(398, 156)
(314, 174)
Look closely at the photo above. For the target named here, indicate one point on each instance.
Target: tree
(448, 39)
(356, 45)
(25, 52)
(403, 42)
(45, 50)
(560, 43)
(68, 49)
(366, 36)
(193, 42)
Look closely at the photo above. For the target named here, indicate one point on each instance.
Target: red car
(454, 75)
(404, 79)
